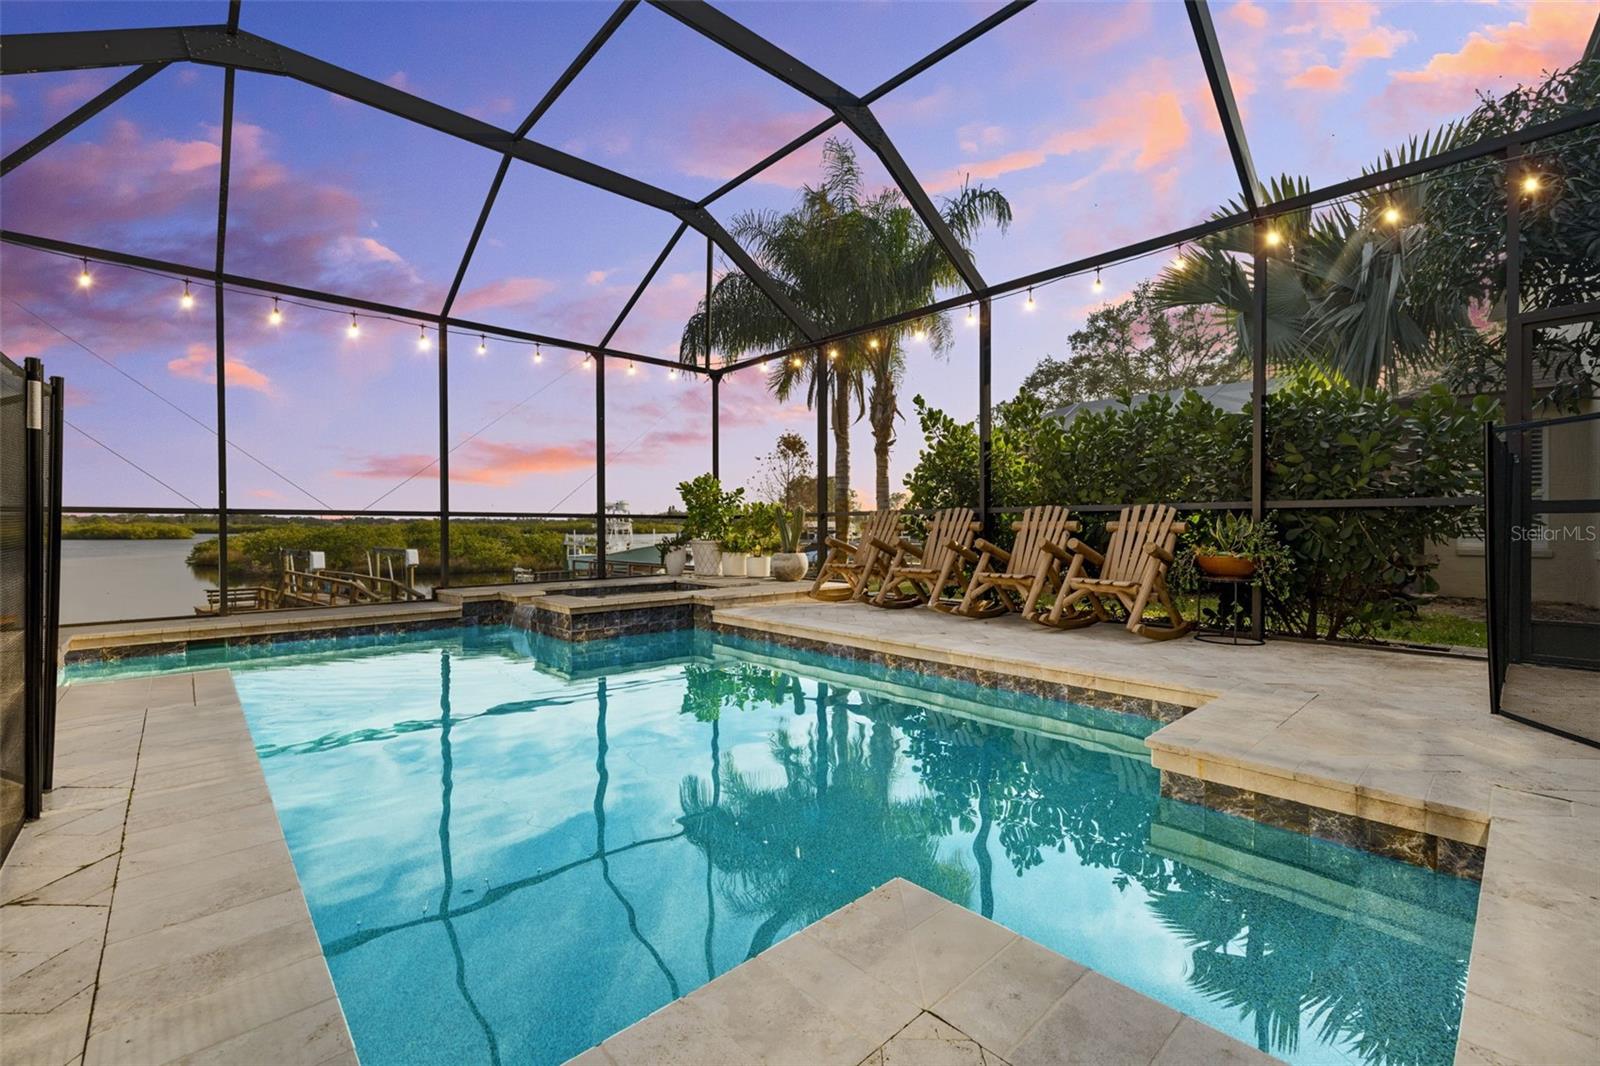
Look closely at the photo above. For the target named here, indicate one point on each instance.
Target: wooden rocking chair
(1015, 580)
(856, 564)
(1132, 570)
(932, 567)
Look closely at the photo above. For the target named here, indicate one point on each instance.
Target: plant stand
(1231, 591)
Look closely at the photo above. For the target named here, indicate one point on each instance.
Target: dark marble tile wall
(603, 625)
(1408, 845)
(1158, 710)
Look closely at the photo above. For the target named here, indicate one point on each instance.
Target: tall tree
(845, 255)
(1135, 346)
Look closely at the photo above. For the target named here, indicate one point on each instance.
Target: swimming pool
(514, 846)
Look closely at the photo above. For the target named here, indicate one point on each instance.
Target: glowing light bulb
(873, 344)
(919, 334)
(1098, 286)
(186, 301)
(1030, 305)
(422, 338)
(1274, 238)
(1391, 215)
(1530, 184)
(833, 353)
(85, 279)
(632, 370)
(354, 329)
(972, 316)
(275, 316)
(1180, 261)
(796, 362)
(672, 372)
(538, 356)
(588, 362)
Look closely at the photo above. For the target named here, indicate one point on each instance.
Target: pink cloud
(504, 292)
(493, 463)
(394, 467)
(199, 363)
(1248, 13)
(1354, 29)
(68, 95)
(1550, 35)
(721, 143)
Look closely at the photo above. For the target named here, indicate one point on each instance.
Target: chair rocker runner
(856, 564)
(1015, 580)
(932, 567)
(1131, 572)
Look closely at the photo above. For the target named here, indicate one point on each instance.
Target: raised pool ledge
(905, 976)
(1389, 752)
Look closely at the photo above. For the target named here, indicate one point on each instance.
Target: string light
(1098, 286)
(632, 370)
(85, 279)
(872, 343)
(275, 316)
(796, 362)
(1530, 183)
(972, 316)
(1391, 215)
(1179, 261)
(919, 334)
(833, 353)
(672, 372)
(1274, 238)
(538, 354)
(1030, 305)
(588, 362)
(483, 345)
(354, 330)
(186, 301)
(422, 338)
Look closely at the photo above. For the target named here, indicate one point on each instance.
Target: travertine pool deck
(1405, 740)
(153, 915)
(902, 977)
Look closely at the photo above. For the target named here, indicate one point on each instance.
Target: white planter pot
(675, 561)
(759, 566)
(707, 557)
(789, 566)
(734, 563)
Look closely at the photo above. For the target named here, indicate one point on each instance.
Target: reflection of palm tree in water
(829, 833)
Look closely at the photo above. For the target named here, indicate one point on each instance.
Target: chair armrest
(1080, 548)
(1074, 526)
(1159, 552)
(992, 549)
(967, 554)
(841, 545)
(885, 547)
(1059, 553)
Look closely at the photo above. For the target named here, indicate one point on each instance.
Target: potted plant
(761, 529)
(1234, 546)
(735, 545)
(1237, 549)
(674, 552)
(790, 563)
(708, 509)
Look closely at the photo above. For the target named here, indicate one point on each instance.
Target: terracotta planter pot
(675, 561)
(1225, 565)
(758, 566)
(789, 566)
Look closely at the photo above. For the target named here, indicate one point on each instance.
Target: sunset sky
(1093, 118)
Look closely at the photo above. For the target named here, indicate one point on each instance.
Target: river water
(108, 580)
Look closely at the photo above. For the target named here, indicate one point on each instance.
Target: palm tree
(845, 257)
(1340, 292)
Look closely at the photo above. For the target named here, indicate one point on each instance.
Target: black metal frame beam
(568, 76)
(1205, 38)
(83, 114)
(1488, 146)
(355, 303)
(1591, 51)
(216, 46)
(220, 311)
(644, 283)
(855, 113)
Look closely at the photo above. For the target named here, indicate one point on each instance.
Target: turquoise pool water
(514, 847)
